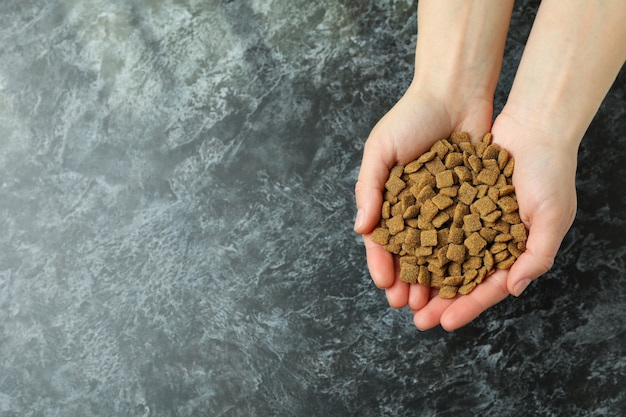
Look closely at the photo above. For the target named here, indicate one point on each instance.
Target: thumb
(544, 238)
(369, 187)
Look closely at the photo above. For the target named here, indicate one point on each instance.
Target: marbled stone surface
(176, 208)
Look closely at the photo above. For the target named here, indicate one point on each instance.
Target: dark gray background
(176, 208)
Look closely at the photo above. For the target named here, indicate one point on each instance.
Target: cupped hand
(408, 130)
(544, 180)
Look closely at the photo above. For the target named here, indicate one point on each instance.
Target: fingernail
(520, 287)
(358, 222)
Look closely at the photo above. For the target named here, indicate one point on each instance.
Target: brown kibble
(456, 235)
(507, 204)
(475, 243)
(445, 179)
(467, 288)
(429, 210)
(471, 223)
(453, 159)
(395, 224)
(492, 151)
(441, 218)
(412, 167)
(491, 217)
(394, 185)
(475, 163)
(386, 210)
(380, 235)
(507, 263)
(467, 193)
(451, 215)
(484, 206)
(456, 253)
(487, 176)
(428, 237)
(447, 291)
(453, 280)
(442, 202)
(411, 212)
(518, 231)
(409, 272)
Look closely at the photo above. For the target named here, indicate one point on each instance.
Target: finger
(466, 308)
(418, 296)
(380, 263)
(430, 315)
(545, 236)
(398, 294)
(370, 185)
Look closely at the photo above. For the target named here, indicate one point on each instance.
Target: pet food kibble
(395, 224)
(484, 206)
(475, 244)
(380, 235)
(429, 237)
(444, 179)
(507, 204)
(452, 216)
(394, 185)
(456, 253)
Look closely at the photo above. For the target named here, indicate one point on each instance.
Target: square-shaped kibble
(442, 202)
(466, 193)
(484, 206)
(395, 224)
(428, 238)
(472, 223)
(508, 204)
(456, 253)
(394, 185)
(475, 244)
(445, 179)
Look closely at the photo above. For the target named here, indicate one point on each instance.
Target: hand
(409, 129)
(544, 180)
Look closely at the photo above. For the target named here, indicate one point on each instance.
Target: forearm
(460, 45)
(573, 55)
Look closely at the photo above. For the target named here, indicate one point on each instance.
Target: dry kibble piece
(498, 247)
(450, 191)
(469, 275)
(436, 280)
(476, 164)
(442, 202)
(467, 288)
(508, 168)
(487, 176)
(445, 179)
(455, 268)
(488, 233)
(428, 238)
(456, 253)
(386, 210)
(506, 190)
(491, 217)
(459, 137)
(428, 211)
(424, 251)
(411, 212)
(435, 166)
(463, 173)
(473, 262)
(395, 224)
(453, 159)
(471, 223)
(518, 231)
(441, 147)
(511, 218)
(484, 206)
(501, 256)
(394, 185)
(440, 219)
(507, 204)
(447, 291)
(412, 237)
(489, 261)
(493, 194)
(475, 244)
(492, 151)
(409, 272)
(507, 263)
(380, 235)
(456, 235)
(503, 158)
(425, 193)
(424, 276)
(459, 212)
(396, 209)
(427, 157)
(397, 171)
(467, 193)
(406, 200)
(454, 280)
(412, 167)
(513, 249)
(504, 237)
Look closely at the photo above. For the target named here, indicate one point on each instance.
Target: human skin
(572, 57)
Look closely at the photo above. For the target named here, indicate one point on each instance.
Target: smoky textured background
(176, 208)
